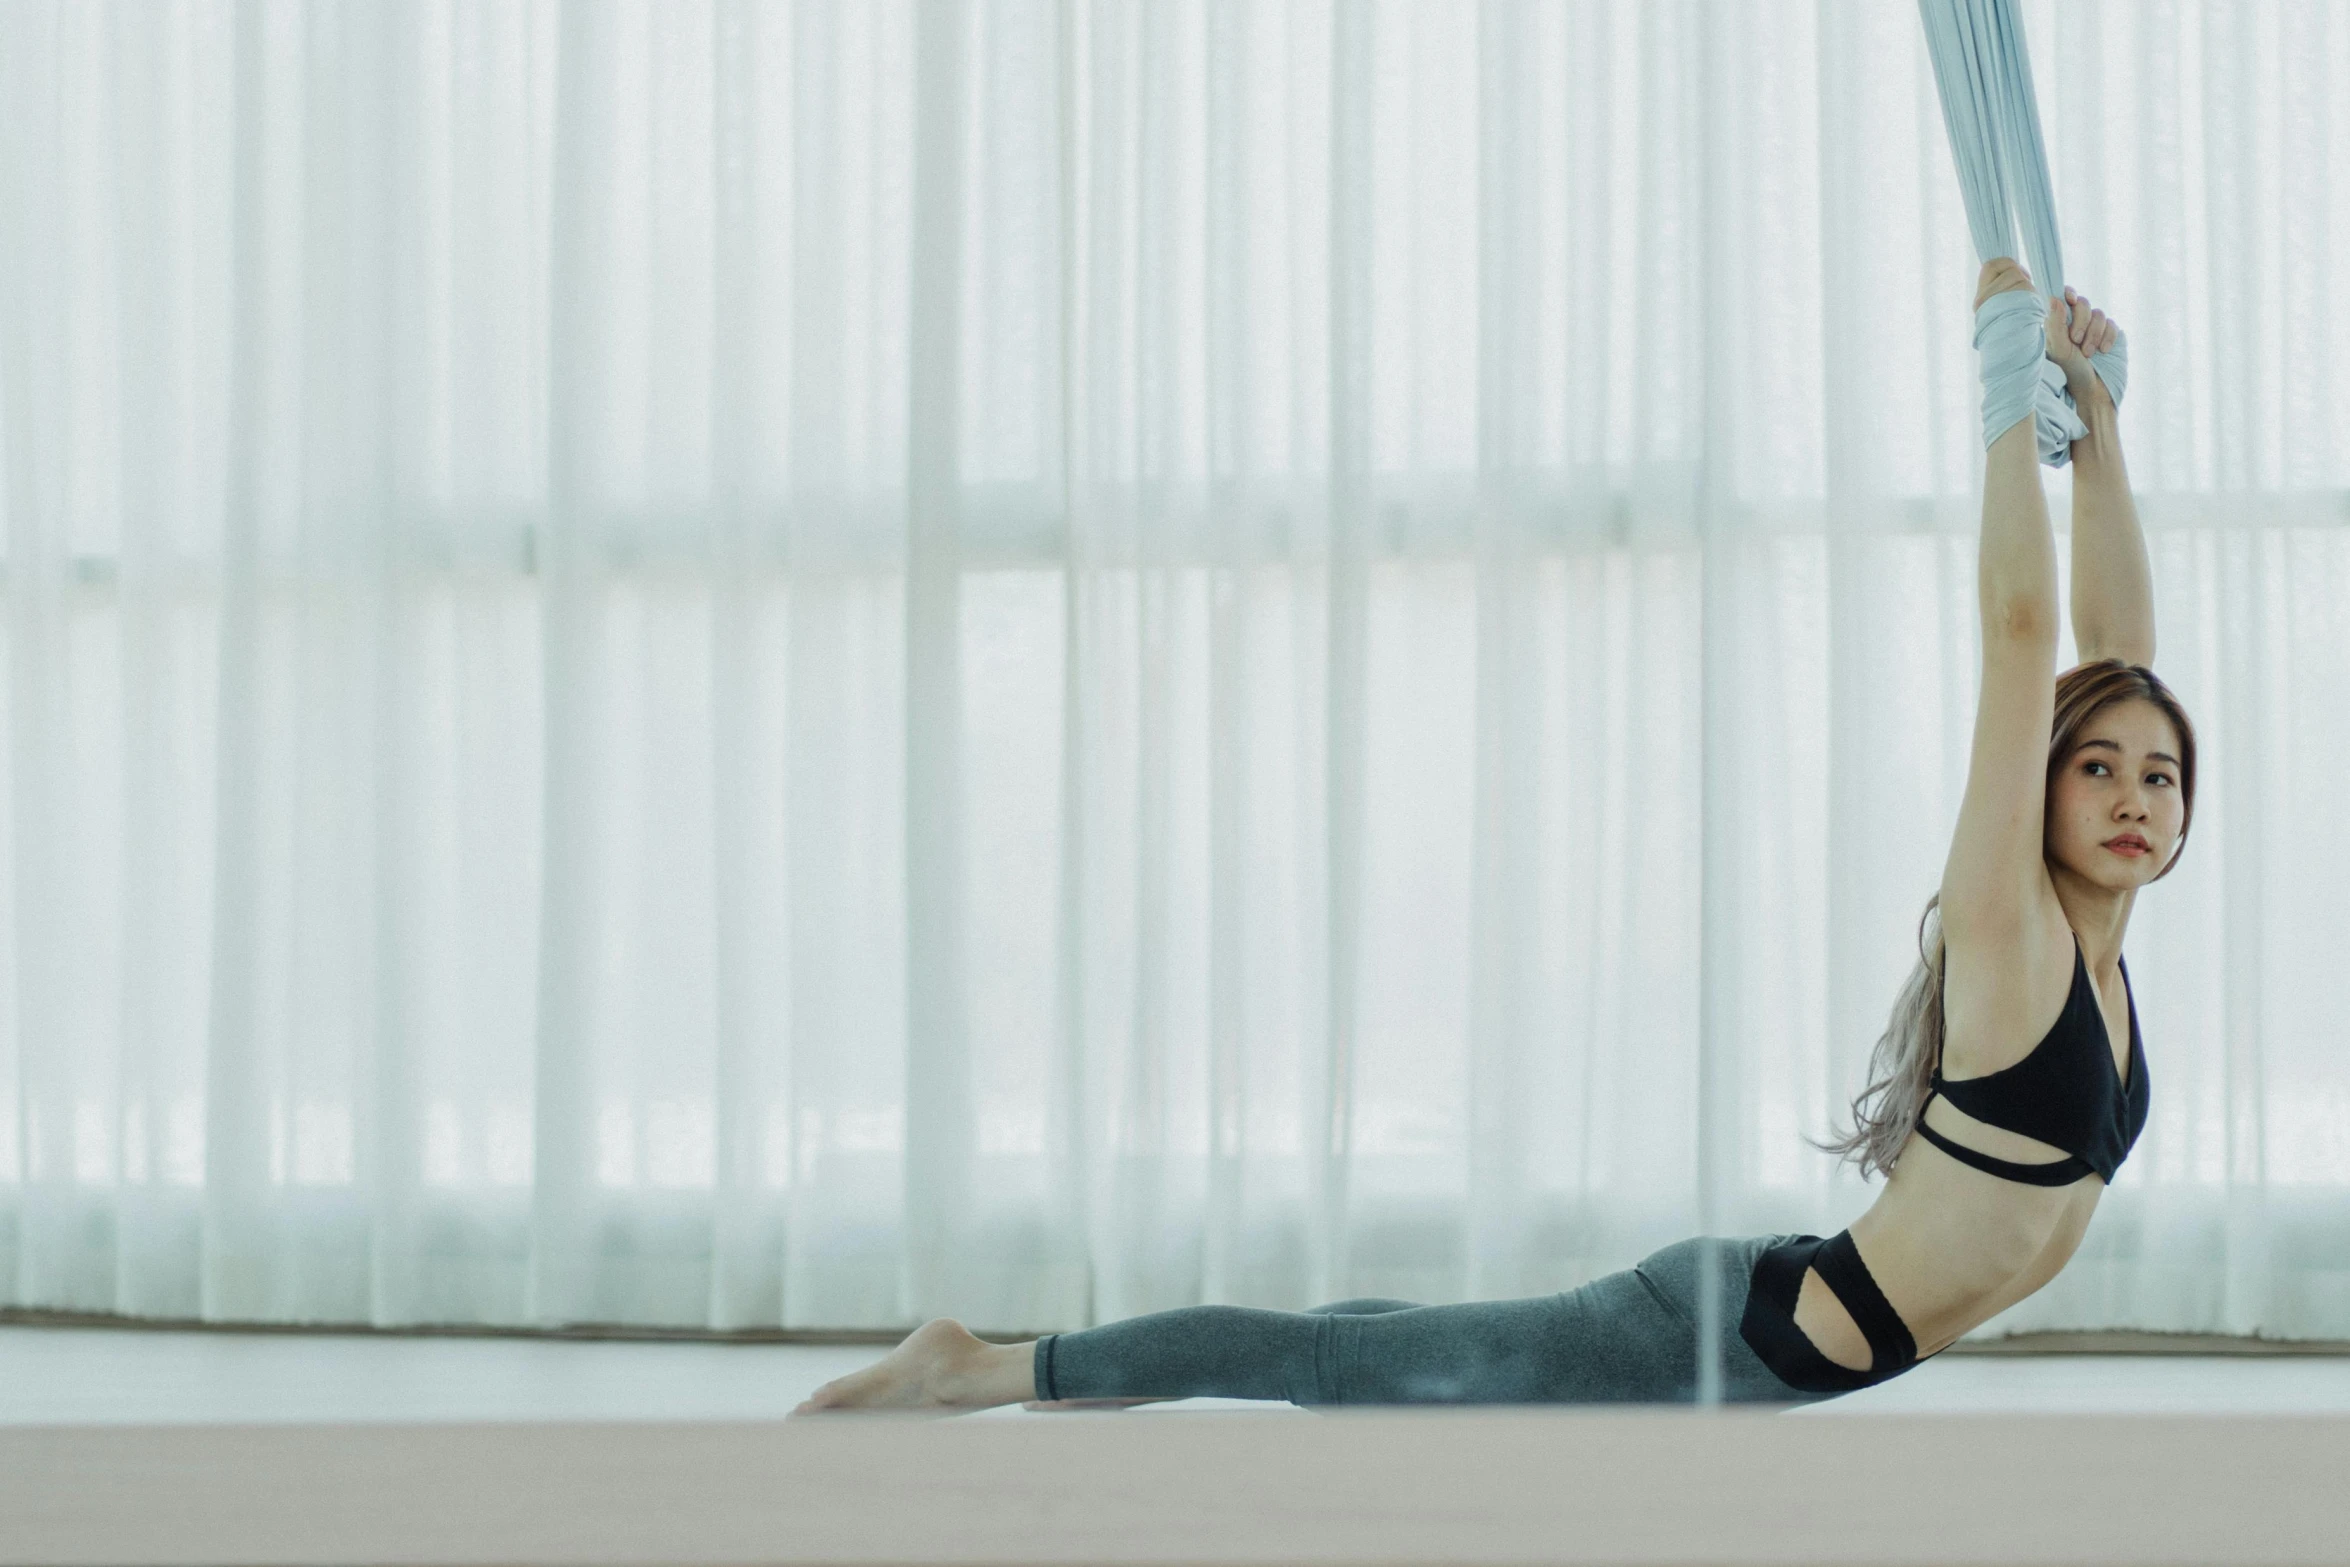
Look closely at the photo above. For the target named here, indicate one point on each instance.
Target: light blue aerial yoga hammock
(1984, 77)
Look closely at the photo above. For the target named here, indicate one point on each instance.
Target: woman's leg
(1613, 1340)
(1626, 1338)
(1629, 1337)
(1365, 1305)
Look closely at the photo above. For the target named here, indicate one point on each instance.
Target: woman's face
(2122, 778)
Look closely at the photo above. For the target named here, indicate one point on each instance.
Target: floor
(112, 1375)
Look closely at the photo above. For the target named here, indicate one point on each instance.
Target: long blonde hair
(1901, 1068)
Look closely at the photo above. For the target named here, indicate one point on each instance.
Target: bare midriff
(1952, 1246)
(1949, 1260)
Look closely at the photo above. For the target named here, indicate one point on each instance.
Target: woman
(2011, 1083)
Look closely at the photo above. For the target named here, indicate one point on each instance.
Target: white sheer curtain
(737, 664)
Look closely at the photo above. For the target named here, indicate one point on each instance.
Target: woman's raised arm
(2113, 580)
(2016, 572)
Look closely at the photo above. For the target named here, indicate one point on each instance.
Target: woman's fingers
(2092, 330)
(2059, 331)
(2083, 328)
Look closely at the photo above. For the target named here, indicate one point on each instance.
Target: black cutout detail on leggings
(1768, 1323)
(1838, 1261)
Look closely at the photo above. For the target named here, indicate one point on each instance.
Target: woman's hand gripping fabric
(2092, 351)
(2037, 361)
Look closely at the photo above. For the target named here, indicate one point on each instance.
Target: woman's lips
(2132, 849)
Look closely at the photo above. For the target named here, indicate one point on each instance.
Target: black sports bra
(2065, 1092)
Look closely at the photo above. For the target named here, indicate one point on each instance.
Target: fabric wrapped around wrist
(2020, 380)
(1984, 78)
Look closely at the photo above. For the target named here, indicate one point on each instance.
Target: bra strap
(2061, 1173)
(1839, 1265)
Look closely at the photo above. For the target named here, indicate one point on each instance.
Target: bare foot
(939, 1366)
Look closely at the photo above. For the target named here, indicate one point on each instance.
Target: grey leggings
(1629, 1337)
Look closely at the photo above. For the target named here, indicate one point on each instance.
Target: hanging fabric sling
(1984, 77)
